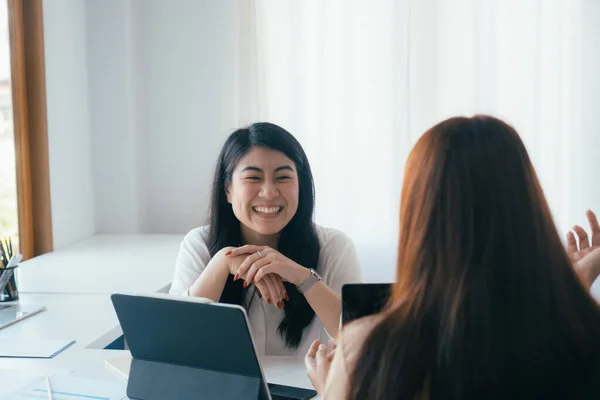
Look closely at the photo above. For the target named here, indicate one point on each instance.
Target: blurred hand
(584, 253)
(318, 361)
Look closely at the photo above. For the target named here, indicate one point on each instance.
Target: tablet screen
(361, 300)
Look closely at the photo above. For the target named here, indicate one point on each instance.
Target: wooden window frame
(28, 81)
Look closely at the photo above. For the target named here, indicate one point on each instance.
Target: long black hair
(298, 240)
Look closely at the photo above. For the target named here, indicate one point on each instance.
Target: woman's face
(264, 191)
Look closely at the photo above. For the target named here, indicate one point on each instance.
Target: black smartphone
(362, 299)
(290, 392)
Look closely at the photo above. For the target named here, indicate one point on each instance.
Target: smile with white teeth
(267, 210)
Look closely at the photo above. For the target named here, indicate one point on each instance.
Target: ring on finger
(259, 253)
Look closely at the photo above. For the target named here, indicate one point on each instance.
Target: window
(8, 182)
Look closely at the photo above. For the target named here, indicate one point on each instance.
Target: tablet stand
(151, 380)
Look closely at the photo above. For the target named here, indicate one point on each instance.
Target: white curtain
(358, 82)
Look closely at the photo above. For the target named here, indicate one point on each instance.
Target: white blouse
(338, 265)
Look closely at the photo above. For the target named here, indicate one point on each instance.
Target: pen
(14, 261)
(49, 388)
(3, 256)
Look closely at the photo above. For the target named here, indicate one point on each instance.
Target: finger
(265, 270)
(310, 358)
(594, 227)
(312, 351)
(274, 289)
(321, 354)
(264, 291)
(278, 284)
(244, 266)
(584, 243)
(330, 356)
(272, 295)
(255, 267)
(275, 297)
(332, 345)
(284, 293)
(247, 249)
(571, 243)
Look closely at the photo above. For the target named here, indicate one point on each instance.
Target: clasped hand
(267, 269)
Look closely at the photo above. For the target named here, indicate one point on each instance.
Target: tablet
(184, 347)
(362, 299)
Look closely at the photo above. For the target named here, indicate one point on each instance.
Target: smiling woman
(261, 241)
(263, 194)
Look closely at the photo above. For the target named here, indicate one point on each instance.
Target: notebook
(32, 348)
(120, 365)
(69, 388)
(11, 313)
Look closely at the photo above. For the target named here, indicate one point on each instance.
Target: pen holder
(8, 284)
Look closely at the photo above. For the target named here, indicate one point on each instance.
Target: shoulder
(357, 331)
(354, 335)
(195, 244)
(329, 237)
(192, 258)
(338, 259)
(197, 236)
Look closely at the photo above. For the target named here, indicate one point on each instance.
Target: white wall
(141, 96)
(187, 94)
(591, 114)
(69, 136)
(112, 68)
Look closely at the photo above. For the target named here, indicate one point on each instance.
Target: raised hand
(584, 253)
(318, 362)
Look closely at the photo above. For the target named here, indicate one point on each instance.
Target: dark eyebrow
(252, 169)
(282, 168)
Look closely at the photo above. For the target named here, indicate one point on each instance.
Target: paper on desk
(120, 365)
(11, 380)
(71, 388)
(32, 348)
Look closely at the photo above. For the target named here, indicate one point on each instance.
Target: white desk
(76, 295)
(85, 363)
(84, 318)
(103, 264)
(68, 317)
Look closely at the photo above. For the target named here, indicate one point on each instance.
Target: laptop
(362, 299)
(189, 348)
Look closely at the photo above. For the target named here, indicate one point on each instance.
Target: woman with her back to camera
(261, 248)
(487, 303)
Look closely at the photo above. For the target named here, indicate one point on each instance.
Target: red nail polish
(280, 304)
(269, 300)
(236, 277)
(229, 252)
(245, 284)
(286, 297)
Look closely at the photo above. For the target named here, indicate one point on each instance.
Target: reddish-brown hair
(486, 304)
